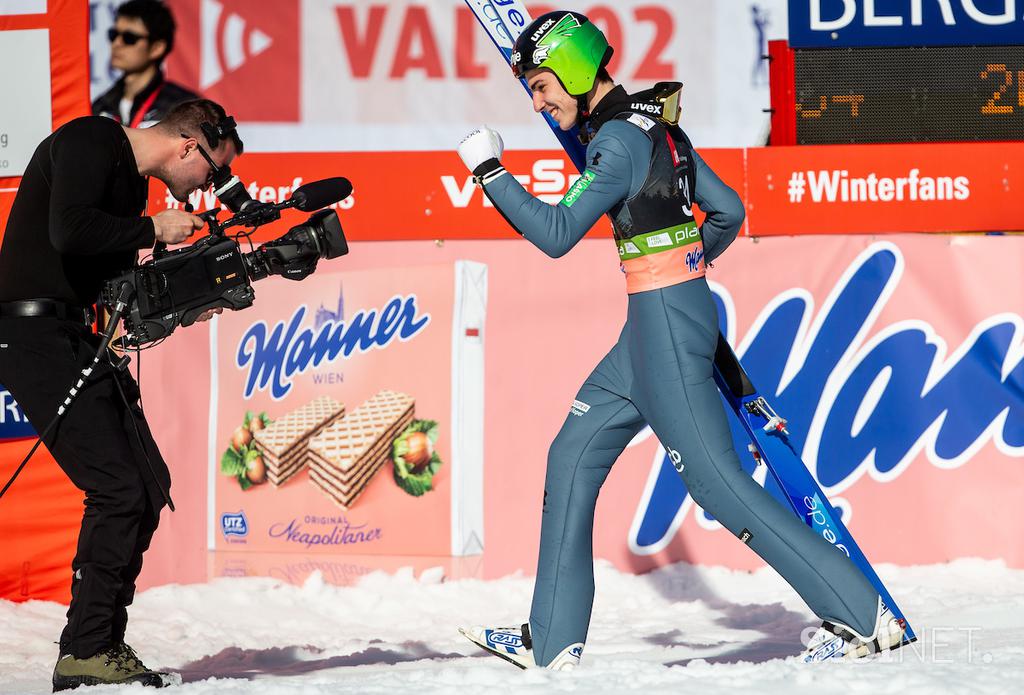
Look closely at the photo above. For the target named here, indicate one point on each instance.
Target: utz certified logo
(234, 525)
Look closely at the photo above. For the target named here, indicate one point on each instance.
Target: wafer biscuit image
(283, 444)
(345, 456)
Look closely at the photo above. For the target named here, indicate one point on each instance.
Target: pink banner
(333, 408)
(897, 363)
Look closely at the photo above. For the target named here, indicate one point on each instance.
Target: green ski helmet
(568, 44)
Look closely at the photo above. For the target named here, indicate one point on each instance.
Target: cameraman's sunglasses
(130, 38)
(214, 169)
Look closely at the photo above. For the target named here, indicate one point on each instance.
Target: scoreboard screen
(909, 94)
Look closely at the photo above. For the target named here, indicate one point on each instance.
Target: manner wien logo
(274, 356)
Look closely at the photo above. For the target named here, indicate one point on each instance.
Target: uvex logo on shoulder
(648, 108)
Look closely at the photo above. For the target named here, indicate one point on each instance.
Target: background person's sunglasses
(130, 38)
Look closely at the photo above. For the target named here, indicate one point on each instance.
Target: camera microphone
(319, 194)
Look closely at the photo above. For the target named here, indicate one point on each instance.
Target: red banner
(870, 189)
(432, 195)
(40, 515)
(787, 190)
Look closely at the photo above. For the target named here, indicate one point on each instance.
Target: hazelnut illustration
(256, 470)
(241, 438)
(420, 450)
(256, 424)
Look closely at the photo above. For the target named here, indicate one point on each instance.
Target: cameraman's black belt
(47, 308)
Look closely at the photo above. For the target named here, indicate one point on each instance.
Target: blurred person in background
(140, 40)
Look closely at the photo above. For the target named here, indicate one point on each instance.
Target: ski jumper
(645, 175)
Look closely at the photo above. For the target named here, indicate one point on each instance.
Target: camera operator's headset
(214, 135)
(222, 131)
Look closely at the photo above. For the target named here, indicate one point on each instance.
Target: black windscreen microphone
(318, 194)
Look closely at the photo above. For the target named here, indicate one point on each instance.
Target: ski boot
(513, 644)
(835, 641)
(118, 664)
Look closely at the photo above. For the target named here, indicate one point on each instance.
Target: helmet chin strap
(582, 119)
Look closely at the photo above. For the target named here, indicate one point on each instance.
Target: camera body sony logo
(234, 525)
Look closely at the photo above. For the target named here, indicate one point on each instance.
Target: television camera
(175, 287)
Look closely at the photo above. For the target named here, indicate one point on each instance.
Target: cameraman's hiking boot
(115, 665)
(513, 644)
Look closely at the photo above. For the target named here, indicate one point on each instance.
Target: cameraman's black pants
(97, 447)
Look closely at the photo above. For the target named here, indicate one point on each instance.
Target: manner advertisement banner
(346, 415)
(845, 23)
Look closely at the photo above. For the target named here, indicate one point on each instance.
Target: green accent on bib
(658, 241)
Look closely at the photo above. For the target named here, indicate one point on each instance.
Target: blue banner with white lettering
(13, 423)
(845, 23)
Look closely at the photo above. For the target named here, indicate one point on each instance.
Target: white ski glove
(480, 152)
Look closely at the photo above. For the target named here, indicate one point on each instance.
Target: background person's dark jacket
(169, 95)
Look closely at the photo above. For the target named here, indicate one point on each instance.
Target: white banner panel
(25, 113)
(344, 75)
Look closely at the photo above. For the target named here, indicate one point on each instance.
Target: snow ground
(681, 629)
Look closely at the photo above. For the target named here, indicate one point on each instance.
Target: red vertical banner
(243, 55)
(39, 516)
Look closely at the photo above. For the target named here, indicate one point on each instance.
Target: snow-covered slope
(681, 629)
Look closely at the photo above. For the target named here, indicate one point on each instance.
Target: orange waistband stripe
(657, 270)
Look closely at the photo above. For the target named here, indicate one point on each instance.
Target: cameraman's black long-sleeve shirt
(76, 219)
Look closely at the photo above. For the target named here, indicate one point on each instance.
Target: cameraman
(77, 221)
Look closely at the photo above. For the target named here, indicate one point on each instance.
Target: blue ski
(503, 20)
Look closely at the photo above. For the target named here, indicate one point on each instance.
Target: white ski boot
(835, 641)
(513, 644)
